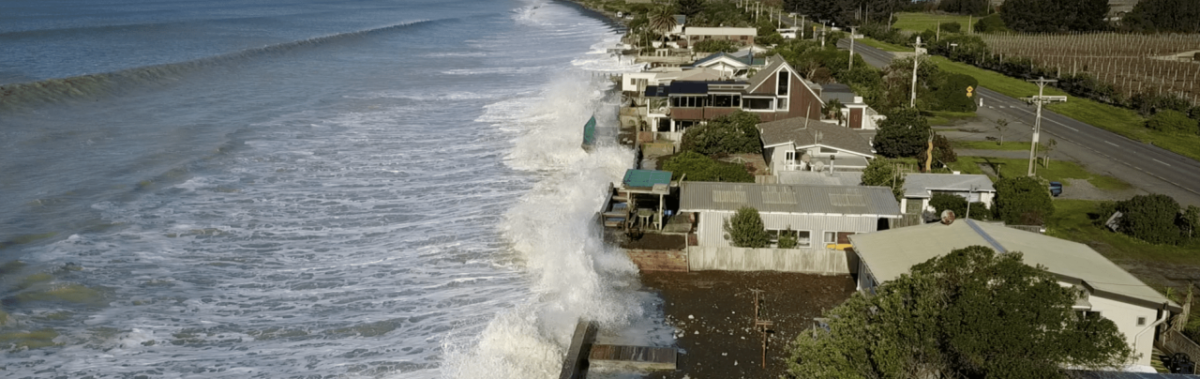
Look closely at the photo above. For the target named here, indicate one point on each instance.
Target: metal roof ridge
(987, 237)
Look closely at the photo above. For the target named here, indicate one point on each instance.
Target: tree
(943, 151)
(1023, 201)
(1189, 221)
(715, 45)
(1001, 127)
(905, 133)
(1038, 16)
(1181, 16)
(661, 19)
(1151, 218)
(746, 229)
(990, 24)
(945, 201)
(833, 110)
(881, 172)
(969, 314)
(690, 8)
(729, 134)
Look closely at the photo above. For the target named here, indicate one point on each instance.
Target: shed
(647, 182)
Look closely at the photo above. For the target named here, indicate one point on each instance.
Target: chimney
(947, 217)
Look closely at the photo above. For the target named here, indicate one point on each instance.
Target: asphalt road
(1150, 168)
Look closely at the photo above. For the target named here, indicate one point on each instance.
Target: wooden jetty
(583, 353)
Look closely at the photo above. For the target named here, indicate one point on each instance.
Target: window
(758, 104)
(804, 239)
(789, 156)
(830, 237)
(723, 101)
(781, 104)
(1141, 321)
(783, 80)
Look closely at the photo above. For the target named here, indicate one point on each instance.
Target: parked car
(1055, 189)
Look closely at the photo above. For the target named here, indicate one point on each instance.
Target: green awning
(646, 178)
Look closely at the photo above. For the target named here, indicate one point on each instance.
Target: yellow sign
(970, 90)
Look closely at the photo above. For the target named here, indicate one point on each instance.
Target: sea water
(301, 188)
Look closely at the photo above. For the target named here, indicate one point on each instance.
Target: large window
(689, 101)
(758, 104)
(803, 237)
(783, 79)
(727, 101)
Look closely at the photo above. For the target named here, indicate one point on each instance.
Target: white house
(733, 65)
(1109, 291)
(919, 188)
(820, 216)
(740, 36)
(804, 144)
(855, 112)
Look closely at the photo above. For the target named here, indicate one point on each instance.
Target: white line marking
(1110, 143)
(1168, 165)
(1065, 126)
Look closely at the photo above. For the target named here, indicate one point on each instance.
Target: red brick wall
(658, 260)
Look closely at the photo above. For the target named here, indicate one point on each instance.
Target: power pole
(916, 60)
(852, 47)
(1037, 123)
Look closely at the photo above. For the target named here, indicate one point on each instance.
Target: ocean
(306, 189)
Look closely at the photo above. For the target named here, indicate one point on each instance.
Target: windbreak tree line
(969, 314)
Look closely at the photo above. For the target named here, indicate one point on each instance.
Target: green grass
(939, 118)
(1125, 122)
(883, 45)
(1058, 171)
(919, 22)
(1071, 222)
(991, 145)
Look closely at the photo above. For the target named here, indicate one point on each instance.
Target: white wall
(710, 231)
(1126, 315)
(810, 261)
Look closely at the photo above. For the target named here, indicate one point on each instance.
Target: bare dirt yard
(713, 313)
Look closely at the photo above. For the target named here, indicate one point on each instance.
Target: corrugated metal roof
(787, 198)
(893, 252)
(919, 185)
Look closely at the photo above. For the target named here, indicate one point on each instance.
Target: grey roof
(680, 20)
(795, 131)
(888, 254)
(838, 91)
(785, 198)
(919, 185)
(837, 178)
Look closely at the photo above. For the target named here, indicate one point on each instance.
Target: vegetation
(701, 168)
(1157, 219)
(715, 45)
(1022, 201)
(919, 22)
(943, 152)
(989, 145)
(949, 318)
(944, 201)
(1181, 16)
(882, 172)
(1169, 121)
(746, 229)
(904, 133)
(1013, 168)
(1042, 16)
(730, 134)
(950, 93)
(990, 24)
(844, 12)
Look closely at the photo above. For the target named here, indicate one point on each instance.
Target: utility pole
(916, 60)
(852, 47)
(1037, 123)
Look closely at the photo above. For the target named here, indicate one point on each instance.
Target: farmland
(1131, 63)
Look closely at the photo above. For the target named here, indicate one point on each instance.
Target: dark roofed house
(819, 216)
(829, 147)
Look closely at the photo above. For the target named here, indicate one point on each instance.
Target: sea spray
(573, 273)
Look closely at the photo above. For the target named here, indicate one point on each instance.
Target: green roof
(646, 178)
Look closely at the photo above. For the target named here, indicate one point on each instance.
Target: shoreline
(618, 24)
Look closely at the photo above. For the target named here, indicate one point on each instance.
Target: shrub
(944, 201)
(771, 39)
(787, 240)
(1150, 218)
(990, 24)
(1023, 201)
(951, 27)
(904, 133)
(704, 169)
(950, 93)
(715, 45)
(880, 172)
(730, 134)
(746, 229)
(980, 211)
(1172, 122)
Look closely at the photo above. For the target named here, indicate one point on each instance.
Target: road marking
(1168, 165)
(1110, 143)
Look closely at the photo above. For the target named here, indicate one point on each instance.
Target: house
(919, 188)
(740, 36)
(820, 216)
(680, 24)
(731, 64)
(855, 113)
(803, 144)
(774, 93)
(1109, 291)
(636, 83)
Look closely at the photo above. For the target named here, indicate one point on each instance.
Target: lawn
(1071, 222)
(919, 22)
(1058, 171)
(939, 118)
(1125, 122)
(991, 145)
(883, 45)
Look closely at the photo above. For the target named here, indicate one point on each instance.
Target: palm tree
(662, 19)
(833, 109)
